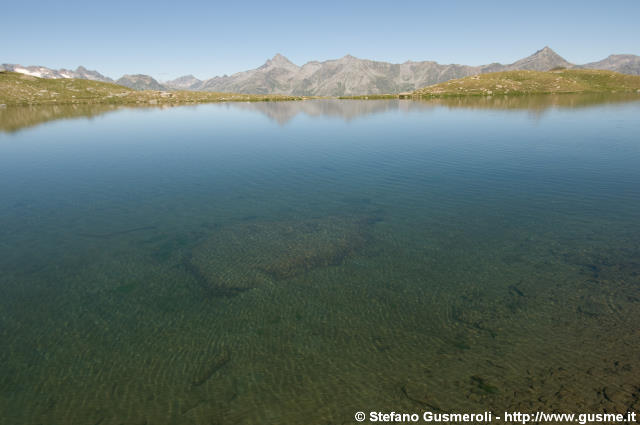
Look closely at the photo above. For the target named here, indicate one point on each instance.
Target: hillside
(535, 82)
(21, 89)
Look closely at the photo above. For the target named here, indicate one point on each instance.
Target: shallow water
(296, 262)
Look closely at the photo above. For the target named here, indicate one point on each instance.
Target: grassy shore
(371, 97)
(21, 89)
(535, 82)
(524, 83)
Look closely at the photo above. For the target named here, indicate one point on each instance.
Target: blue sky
(169, 39)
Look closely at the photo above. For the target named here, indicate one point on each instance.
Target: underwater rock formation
(247, 255)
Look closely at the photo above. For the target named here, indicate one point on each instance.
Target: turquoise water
(290, 263)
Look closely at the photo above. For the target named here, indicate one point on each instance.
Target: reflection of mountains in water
(533, 103)
(16, 117)
(283, 112)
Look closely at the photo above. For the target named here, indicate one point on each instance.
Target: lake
(297, 262)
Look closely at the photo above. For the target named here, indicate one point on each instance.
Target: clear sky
(169, 39)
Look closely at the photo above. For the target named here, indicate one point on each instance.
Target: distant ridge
(346, 76)
(140, 82)
(625, 64)
(187, 82)
(43, 72)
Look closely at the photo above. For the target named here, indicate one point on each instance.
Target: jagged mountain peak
(278, 57)
(279, 61)
(547, 51)
(348, 57)
(542, 60)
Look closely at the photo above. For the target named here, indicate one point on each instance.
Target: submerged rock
(247, 255)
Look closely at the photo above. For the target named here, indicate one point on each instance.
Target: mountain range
(44, 72)
(338, 77)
